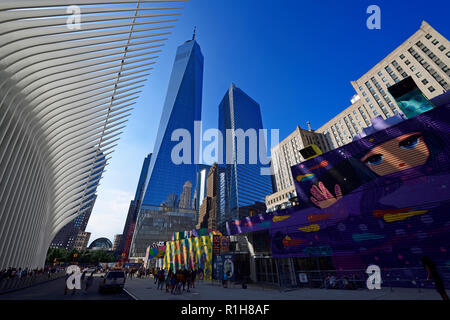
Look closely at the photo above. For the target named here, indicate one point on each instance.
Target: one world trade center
(169, 184)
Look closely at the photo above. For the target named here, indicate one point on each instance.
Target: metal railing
(16, 283)
(356, 279)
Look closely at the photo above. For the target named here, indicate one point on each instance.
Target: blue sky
(296, 58)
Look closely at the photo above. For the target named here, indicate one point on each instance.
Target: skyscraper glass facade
(200, 189)
(128, 229)
(182, 108)
(245, 184)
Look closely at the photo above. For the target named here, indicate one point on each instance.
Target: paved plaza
(145, 289)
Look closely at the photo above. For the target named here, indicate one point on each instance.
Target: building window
(413, 68)
(375, 112)
(407, 62)
(402, 56)
(428, 36)
(431, 89)
(442, 48)
(418, 74)
(379, 73)
(448, 54)
(435, 42)
(383, 79)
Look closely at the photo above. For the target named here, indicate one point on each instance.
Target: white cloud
(109, 214)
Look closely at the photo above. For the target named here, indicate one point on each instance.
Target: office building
(66, 237)
(209, 208)
(425, 56)
(284, 156)
(182, 108)
(185, 197)
(116, 243)
(157, 223)
(66, 94)
(244, 182)
(130, 222)
(200, 188)
(82, 240)
(159, 214)
(172, 201)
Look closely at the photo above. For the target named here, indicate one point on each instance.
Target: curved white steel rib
(65, 95)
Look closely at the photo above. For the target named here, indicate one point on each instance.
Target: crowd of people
(175, 282)
(345, 283)
(18, 273)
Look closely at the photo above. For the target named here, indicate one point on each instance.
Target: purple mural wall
(383, 199)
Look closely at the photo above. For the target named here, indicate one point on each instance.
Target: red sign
(216, 244)
(224, 244)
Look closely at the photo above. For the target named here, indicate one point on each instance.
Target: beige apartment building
(117, 240)
(82, 240)
(287, 154)
(425, 56)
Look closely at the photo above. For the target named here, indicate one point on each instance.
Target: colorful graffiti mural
(383, 199)
(192, 252)
(155, 252)
(249, 224)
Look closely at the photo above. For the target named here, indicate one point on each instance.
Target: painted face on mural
(403, 152)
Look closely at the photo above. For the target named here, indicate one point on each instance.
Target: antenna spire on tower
(193, 35)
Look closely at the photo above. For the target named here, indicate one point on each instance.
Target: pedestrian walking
(184, 278)
(161, 279)
(65, 282)
(193, 277)
(83, 275)
(225, 280)
(168, 279)
(173, 283)
(244, 278)
(89, 281)
(156, 274)
(433, 273)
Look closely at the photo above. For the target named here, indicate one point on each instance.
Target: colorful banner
(384, 199)
(193, 233)
(224, 244)
(216, 244)
(155, 252)
(193, 252)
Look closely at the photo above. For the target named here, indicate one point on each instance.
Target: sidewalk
(145, 289)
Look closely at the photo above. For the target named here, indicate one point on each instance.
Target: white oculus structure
(65, 93)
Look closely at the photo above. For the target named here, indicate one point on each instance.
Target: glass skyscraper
(244, 183)
(130, 222)
(181, 109)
